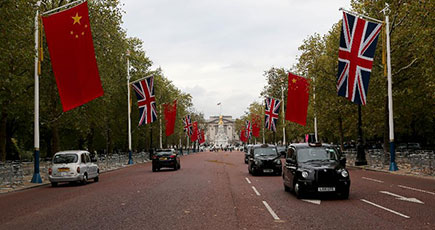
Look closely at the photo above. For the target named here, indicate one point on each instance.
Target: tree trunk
(3, 120)
(90, 139)
(55, 142)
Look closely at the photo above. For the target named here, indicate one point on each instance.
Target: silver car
(71, 166)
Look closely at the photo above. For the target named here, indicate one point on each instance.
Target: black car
(246, 150)
(264, 159)
(312, 168)
(165, 158)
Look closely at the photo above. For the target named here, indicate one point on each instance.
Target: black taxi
(315, 167)
(264, 159)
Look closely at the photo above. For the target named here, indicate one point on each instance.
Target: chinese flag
(297, 99)
(243, 136)
(256, 126)
(202, 140)
(72, 55)
(194, 136)
(170, 115)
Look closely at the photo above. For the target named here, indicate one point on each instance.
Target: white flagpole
(315, 116)
(36, 176)
(393, 166)
(283, 114)
(263, 120)
(160, 124)
(130, 160)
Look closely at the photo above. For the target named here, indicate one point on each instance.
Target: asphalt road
(214, 191)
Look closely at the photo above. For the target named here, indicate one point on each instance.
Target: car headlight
(277, 161)
(305, 174)
(257, 162)
(344, 173)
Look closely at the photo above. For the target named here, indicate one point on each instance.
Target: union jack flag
(271, 113)
(188, 125)
(248, 128)
(146, 100)
(355, 57)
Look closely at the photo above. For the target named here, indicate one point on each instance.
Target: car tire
(154, 169)
(85, 179)
(246, 161)
(53, 184)
(297, 190)
(344, 194)
(96, 179)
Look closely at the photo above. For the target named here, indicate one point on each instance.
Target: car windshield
(265, 151)
(65, 158)
(316, 154)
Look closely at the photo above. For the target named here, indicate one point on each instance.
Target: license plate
(267, 170)
(163, 158)
(326, 189)
(63, 169)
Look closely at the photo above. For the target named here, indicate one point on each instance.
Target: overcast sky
(218, 50)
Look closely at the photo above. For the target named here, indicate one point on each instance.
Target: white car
(71, 166)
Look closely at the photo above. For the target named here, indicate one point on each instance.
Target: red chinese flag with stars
(297, 99)
(194, 136)
(170, 115)
(72, 56)
(256, 123)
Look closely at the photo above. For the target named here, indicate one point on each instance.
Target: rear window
(265, 151)
(164, 153)
(65, 158)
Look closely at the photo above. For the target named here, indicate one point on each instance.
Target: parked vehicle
(264, 159)
(165, 158)
(72, 166)
(312, 168)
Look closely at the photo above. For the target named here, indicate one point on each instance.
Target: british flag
(248, 128)
(271, 113)
(188, 125)
(146, 100)
(355, 57)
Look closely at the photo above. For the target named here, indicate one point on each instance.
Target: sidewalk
(403, 170)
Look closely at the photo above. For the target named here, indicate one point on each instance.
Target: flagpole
(130, 160)
(283, 119)
(315, 115)
(36, 176)
(393, 165)
(263, 124)
(160, 124)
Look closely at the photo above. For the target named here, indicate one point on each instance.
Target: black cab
(167, 158)
(312, 168)
(264, 159)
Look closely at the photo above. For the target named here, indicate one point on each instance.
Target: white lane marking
(386, 209)
(399, 197)
(248, 180)
(371, 179)
(312, 201)
(255, 190)
(270, 210)
(416, 189)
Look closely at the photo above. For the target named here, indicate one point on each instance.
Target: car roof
(71, 152)
(263, 146)
(308, 145)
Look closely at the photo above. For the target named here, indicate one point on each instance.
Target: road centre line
(270, 210)
(386, 209)
(255, 190)
(415, 189)
(248, 180)
(371, 179)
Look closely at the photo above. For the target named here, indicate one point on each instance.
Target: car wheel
(344, 194)
(85, 179)
(246, 161)
(154, 169)
(96, 179)
(297, 190)
(53, 184)
(286, 188)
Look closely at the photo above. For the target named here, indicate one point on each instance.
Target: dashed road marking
(416, 189)
(248, 180)
(255, 190)
(386, 209)
(371, 179)
(270, 210)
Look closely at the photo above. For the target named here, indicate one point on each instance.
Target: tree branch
(405, 67)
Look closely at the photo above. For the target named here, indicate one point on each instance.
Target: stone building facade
(229, 129)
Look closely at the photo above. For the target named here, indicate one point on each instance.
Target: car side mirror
(343, 161)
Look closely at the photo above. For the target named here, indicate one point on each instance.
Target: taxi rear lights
(50, 171)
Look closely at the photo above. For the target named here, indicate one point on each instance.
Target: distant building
(228, 131)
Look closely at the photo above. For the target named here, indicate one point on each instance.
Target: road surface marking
(312, 201)
(416, 189)
(248, 180)
(255, 190)
(386, 209)
(371, 179)
(399, 197)
(270, 210)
